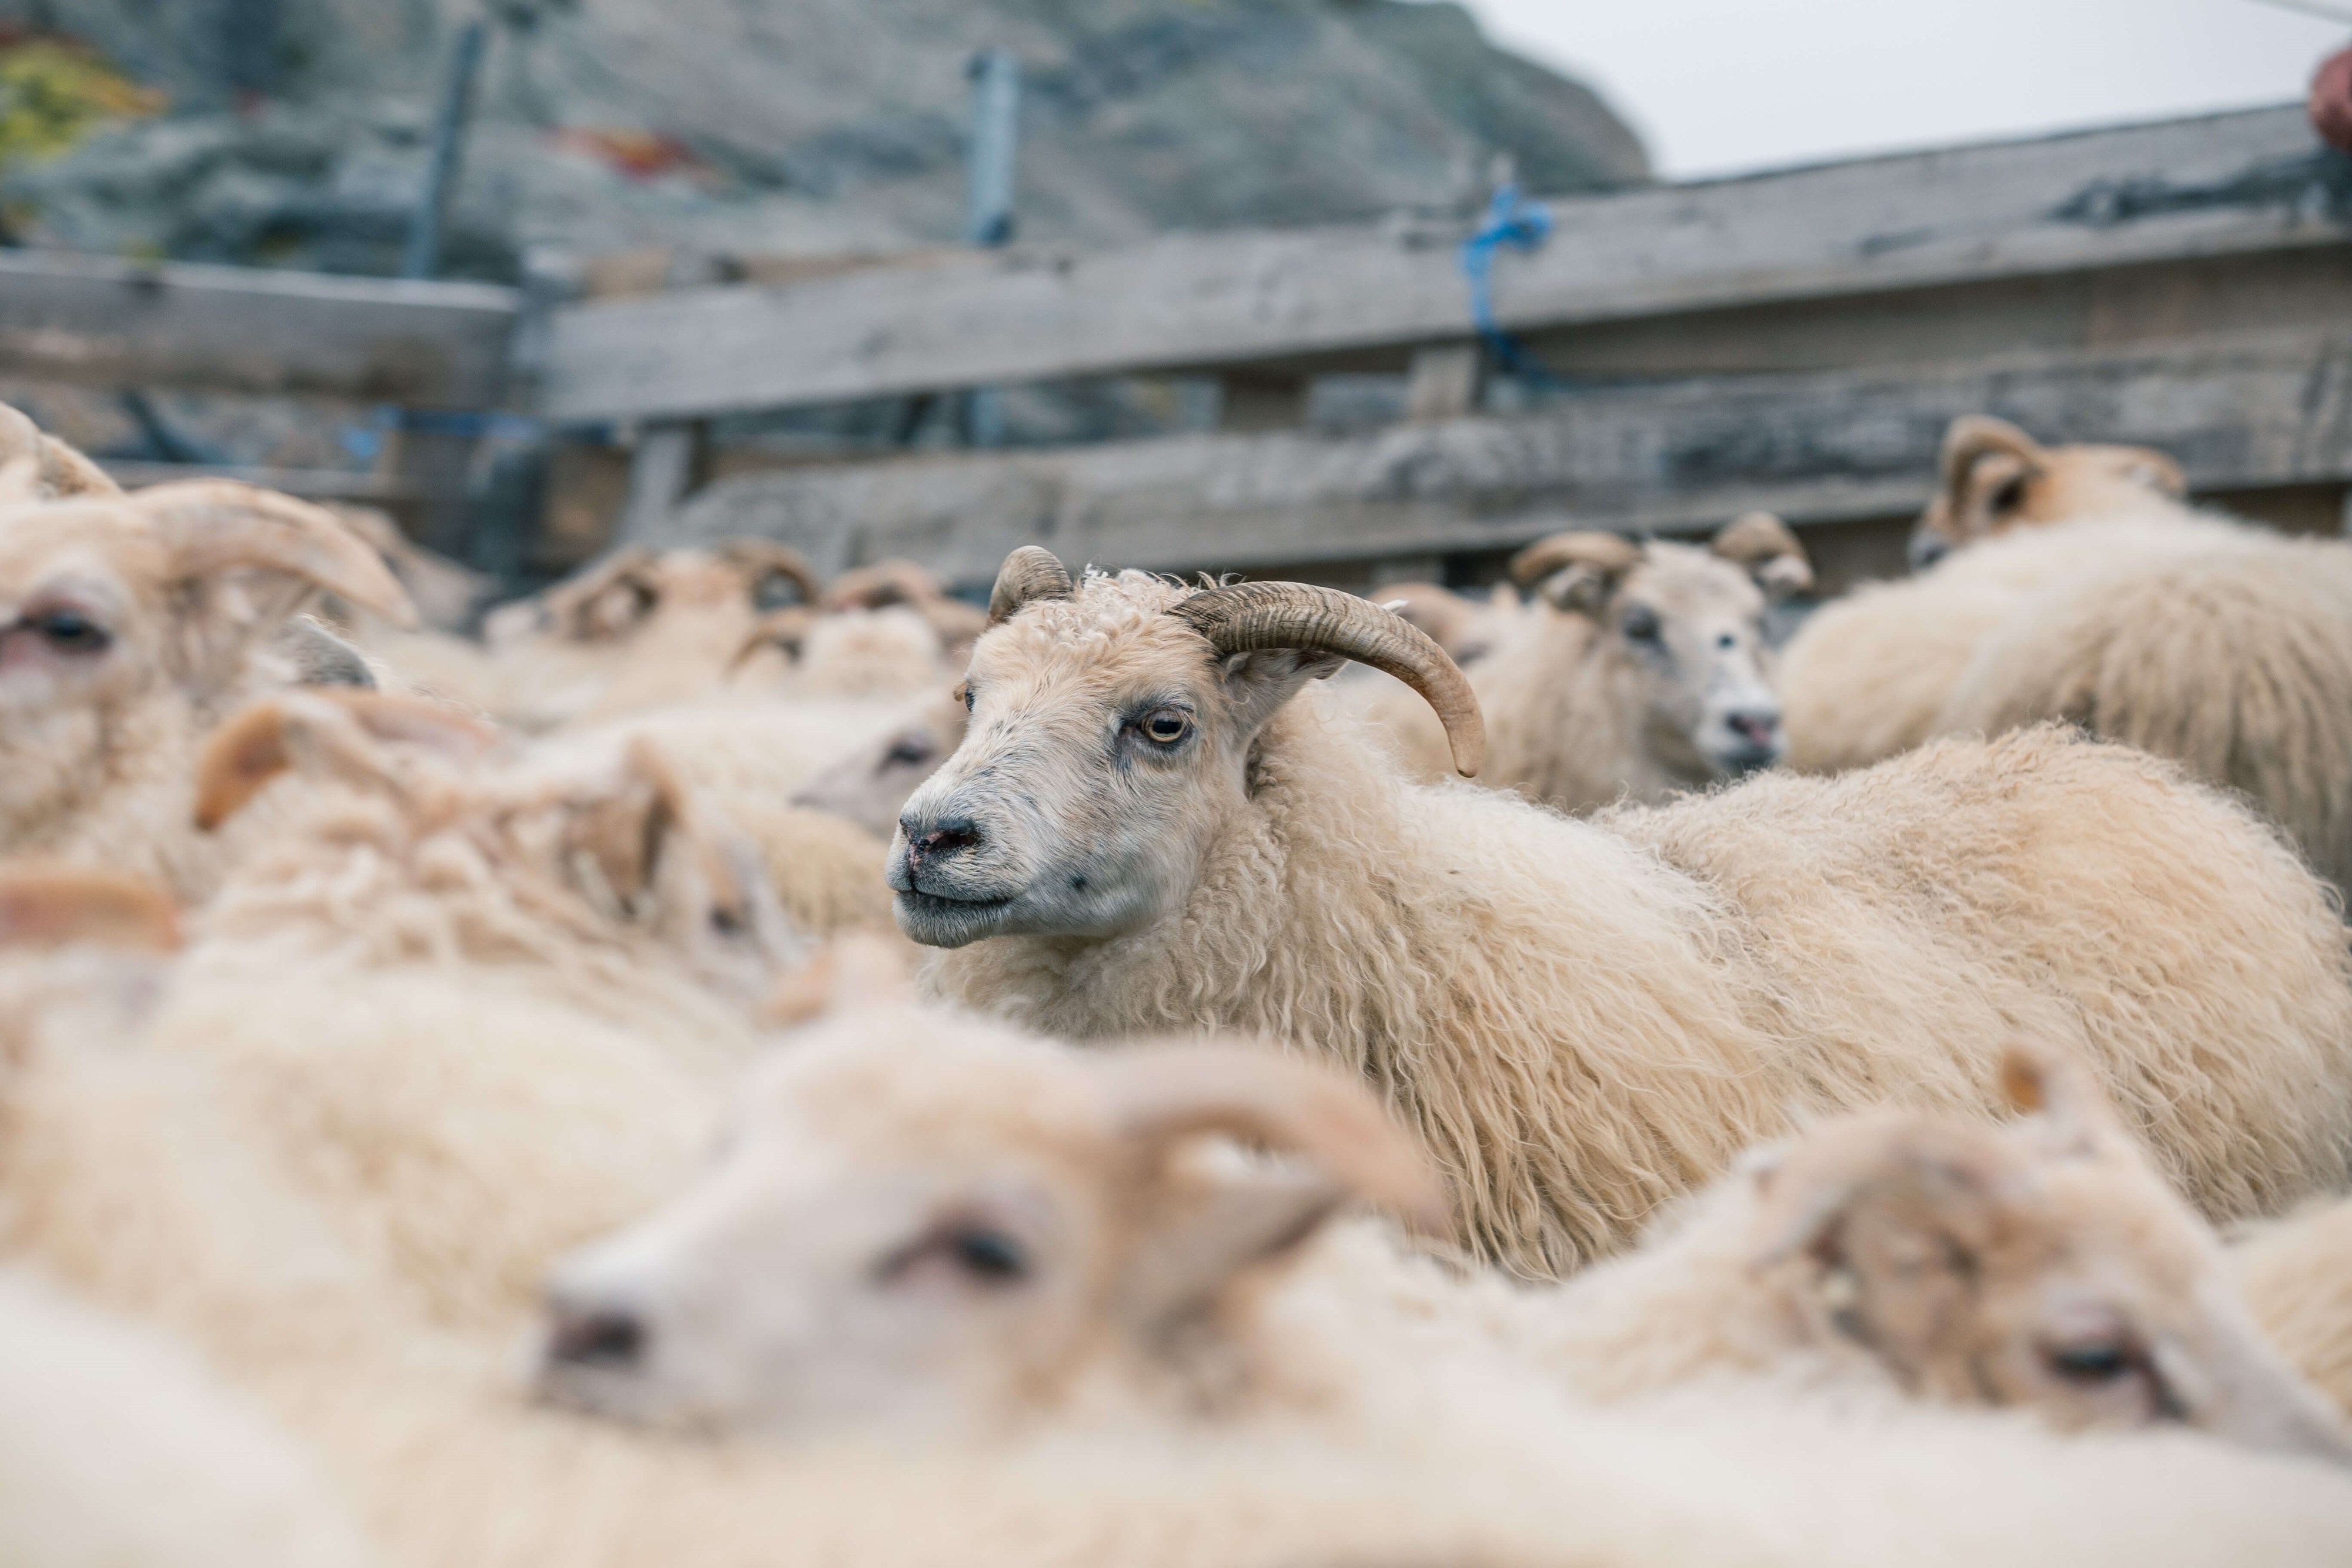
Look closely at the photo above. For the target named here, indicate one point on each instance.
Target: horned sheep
(1638, 669)
(1142, 832)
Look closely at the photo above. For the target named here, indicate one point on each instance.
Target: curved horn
(565, 605)
(256, 744)
(1161, 1093)
(1764, 546)
(1249, 616)
(882, 584)
(1029, 572)
(765, 557)
(47, 904)
(61, 471)
(1975, 436)
(216, 525)
(786, 629)
(1607, 553)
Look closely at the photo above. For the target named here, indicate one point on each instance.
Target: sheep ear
(2158, 473)
(328, 733)
(1764, 546)
(1187, 1262)
(317, 657)
(55, 470)
(2067, 1110)
(54, 906)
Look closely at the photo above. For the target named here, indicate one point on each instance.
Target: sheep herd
(1576, 1076)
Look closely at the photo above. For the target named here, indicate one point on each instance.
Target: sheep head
(2045, 1265)
(620, 598)
(1995, 477)
(1112, 729)
(904, 582)
(1684, 627)
(872, 787)
(125, 619)
(917, 1219)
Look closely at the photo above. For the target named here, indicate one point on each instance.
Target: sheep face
(124, 620)
(914, 1220)
(1684, 631)
(2046, 1266)
(1995, 477)
(1107, 744)
(825, 1273)
(873, 787)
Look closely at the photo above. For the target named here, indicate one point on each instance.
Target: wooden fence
(1795, 339)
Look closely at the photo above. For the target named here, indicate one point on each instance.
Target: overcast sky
(1719, 86)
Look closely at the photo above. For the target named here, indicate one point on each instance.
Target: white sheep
(2297, 1274)
(132, 623)
(130, 1172)
(1066, 1258)
(1638, 669)
(1142, 832)
(2089, 593)
(871, 786)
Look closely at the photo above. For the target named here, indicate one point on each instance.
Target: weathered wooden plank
(102, 322)
(2241, 412)
(314, 483)
(2216, 186)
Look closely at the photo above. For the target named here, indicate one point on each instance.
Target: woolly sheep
(906, 582)
(127, 1170)
(1637, 671)
(131, 623)
(1000, 1231)
(1142, 831)
(883, 652)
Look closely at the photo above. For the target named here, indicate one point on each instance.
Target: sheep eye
(71, 632)
(907, 751)
(989, 1254)
(1727, 642)
(727, 922)
(964, 691)
(2090, 1363)
(1641, 624)
(775, 590)
(2009, 495)
(1167, 727)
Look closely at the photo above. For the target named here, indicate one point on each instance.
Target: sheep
(58, 470)
(1995, 477)
(1142, 832)
(1033, 1190)
(905, 583)
(639, 629)
(1638, 670)
(116, 1450)
(886, 652)
(2297, 1274)
(477, 1000)
(133, 622)
(871, 786)
(2098, 599)
(128, 1173)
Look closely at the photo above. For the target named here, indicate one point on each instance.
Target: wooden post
(662, 473)
(1446, 381)
(989, 218)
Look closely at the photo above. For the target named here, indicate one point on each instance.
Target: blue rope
(1511, 220)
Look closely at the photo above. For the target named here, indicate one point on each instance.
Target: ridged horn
(1158, 1093)
(217, 524)
(1250, 616)
(1606, 553)
(1771, 553)
(1029, 572)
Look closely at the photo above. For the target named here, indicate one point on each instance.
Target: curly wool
(1583, 1021)
(2297, 1276)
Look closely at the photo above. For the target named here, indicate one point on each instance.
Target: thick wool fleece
(2297, 1278)
(1583, 1021)
(1867, 676)
(2235, 662)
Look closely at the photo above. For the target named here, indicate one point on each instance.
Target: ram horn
(1029, 572)
(1976, 435)
(218, 525)
(1606, 553)
(1250, 616)
(758, 559)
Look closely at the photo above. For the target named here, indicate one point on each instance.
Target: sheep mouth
(937, 920)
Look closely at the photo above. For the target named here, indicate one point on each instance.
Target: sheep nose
(1927, 549)
(1756, 728)
(939, 840)
(610, 1337)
